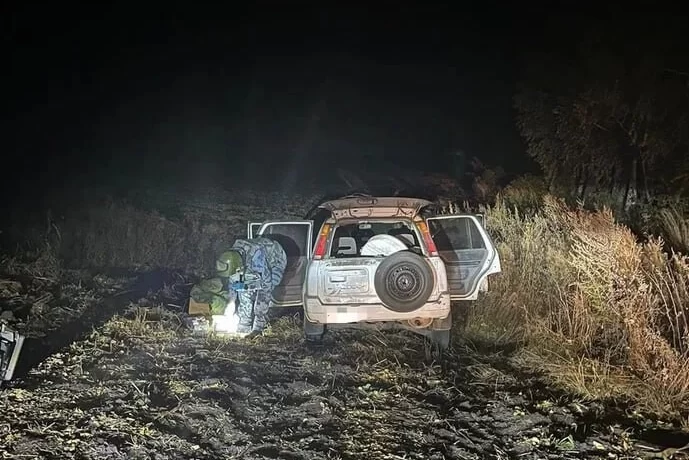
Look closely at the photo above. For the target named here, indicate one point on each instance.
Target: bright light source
(228, 321)
(228, 324)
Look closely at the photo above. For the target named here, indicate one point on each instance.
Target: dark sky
(123, 92)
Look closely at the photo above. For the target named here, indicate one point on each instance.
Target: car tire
(404, 281)
(313, 332)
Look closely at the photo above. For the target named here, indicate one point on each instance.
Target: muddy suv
(363, 259)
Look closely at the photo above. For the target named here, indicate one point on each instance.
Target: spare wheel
(404, 281)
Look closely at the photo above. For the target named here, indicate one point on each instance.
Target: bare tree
(607, 119)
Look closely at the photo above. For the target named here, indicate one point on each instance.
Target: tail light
(322, 242)
(426, 234)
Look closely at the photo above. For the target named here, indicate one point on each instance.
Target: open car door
(295, 238)
(252, 229)
(481, 219)
(468, 253)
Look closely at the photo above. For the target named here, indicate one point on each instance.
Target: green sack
(211, 291)
(218, 305)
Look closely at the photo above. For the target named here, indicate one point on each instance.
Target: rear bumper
(316, 312)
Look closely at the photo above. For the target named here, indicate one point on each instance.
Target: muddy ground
(117, 375)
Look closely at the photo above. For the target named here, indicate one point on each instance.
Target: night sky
(123, 95)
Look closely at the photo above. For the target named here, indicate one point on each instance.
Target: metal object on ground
(198, 324)
(11, 343)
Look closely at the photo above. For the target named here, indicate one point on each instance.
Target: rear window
(348, 239)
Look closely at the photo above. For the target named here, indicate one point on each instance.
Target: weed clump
(601, 313)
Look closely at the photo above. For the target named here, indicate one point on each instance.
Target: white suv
(363, 259)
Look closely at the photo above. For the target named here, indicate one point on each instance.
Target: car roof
(362, 206)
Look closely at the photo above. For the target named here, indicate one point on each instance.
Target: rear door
(252, 229)
(468, 253)
(481, 219)
(295, 238)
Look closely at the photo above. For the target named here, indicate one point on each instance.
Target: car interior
(348, 239)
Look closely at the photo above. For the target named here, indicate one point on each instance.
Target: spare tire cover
(404, 281)
(382, 245)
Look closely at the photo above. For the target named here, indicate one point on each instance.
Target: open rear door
(481, 219)
(295, 239)
(252, 229)
(468, 253)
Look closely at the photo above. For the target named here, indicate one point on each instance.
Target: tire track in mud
(35, 350)
(158, 391)
(421, 415)
(272, 404)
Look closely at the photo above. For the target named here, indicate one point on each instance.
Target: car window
(294, 239)
(348, 239)
(456, 234)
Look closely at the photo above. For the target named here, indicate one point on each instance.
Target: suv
(364, 259)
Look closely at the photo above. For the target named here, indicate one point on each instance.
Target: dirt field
(139, 385)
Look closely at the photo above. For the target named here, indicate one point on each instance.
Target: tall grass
(184, 231)
(599, 312)
(674, 226)
(120, 235)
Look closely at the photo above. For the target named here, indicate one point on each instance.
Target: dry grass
(674, 226)
(602, 314)
(120, 235)
(182, 231)
(144, 323)
(40, 263)
(525, 193)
